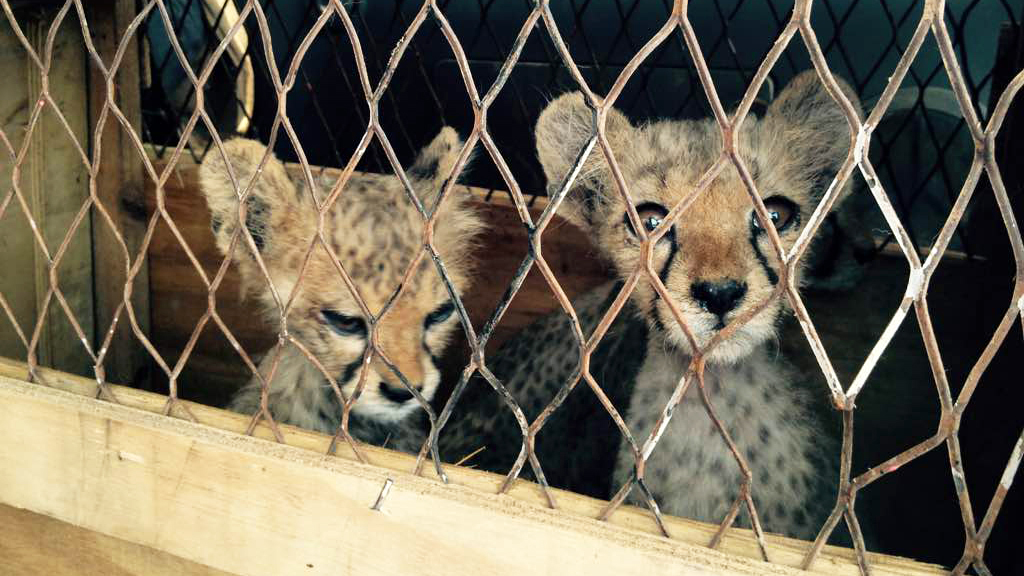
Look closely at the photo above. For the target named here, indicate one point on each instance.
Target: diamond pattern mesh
(557, 32)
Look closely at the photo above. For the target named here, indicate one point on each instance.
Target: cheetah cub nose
(397, 394)
(719, 298)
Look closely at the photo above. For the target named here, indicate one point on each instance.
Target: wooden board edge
(245, 505)
(474, 488)
(35, 544)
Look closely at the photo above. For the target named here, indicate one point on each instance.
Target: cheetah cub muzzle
(375, 231)
(717, 264)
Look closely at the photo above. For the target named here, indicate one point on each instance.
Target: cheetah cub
(716, 263)
(375, 231)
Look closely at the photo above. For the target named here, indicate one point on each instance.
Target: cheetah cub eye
(783, 212)
(442, 313)
(343, 324)
(651, 216)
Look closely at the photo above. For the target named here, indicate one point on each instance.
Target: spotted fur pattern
(792, 154)
(375, 232)
(576, 447)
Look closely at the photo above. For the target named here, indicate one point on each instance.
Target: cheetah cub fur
(716, 263)
(375, 231)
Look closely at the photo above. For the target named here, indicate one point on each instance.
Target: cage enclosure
(392, 261)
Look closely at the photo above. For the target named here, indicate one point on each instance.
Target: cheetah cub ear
(433, 165)
(273, 202)
(807, 130)
(563, 130)
(458, 223)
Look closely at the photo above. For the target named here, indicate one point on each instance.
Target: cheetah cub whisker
(375, 231)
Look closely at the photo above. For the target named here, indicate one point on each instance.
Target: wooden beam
(38, 545)
(251, 506)
(53, 182)
(119, 186)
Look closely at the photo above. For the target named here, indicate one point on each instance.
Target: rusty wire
(541, 21)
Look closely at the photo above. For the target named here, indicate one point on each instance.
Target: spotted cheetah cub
(375, 231)
(716, 263)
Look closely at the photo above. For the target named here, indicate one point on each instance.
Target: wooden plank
(37, 545)
(17, 245)
(119, 186)
(53, 180)
(248, 505)
(58, 191)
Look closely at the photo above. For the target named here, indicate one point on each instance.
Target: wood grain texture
(251, 506)
(16, 242)
(37, 545)
(119, 187)
(54, 184)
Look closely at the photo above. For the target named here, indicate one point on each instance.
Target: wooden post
(119, 186)
(53, 181)
(35, 544)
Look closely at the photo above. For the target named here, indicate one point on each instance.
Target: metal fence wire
(922, 149)
(250, 26)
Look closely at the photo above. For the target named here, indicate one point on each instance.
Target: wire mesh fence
(245, 70)
(922, 148)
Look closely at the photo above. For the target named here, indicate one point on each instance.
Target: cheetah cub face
(375, 231)
(716, 260)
